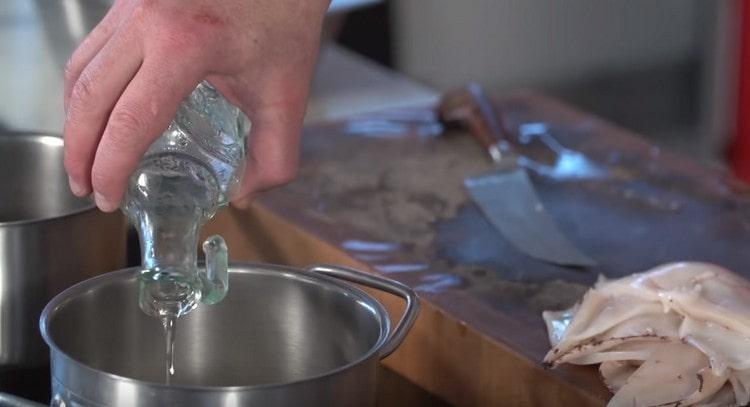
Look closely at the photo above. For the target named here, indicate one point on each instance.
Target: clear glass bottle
(182, 180)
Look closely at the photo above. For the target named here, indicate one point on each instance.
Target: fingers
(92, 98)
(273, 149)
(141, 114)
(90, 47)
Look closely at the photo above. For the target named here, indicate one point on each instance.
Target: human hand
(124, 83)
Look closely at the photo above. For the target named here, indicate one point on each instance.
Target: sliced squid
(676, 335)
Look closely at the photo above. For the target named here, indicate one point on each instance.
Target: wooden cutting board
(384, 193)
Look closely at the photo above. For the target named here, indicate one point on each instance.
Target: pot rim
(44, 137)
(234, 267)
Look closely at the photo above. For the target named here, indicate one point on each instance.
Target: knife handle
(470, 108)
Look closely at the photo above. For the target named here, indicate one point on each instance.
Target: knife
(506, 195)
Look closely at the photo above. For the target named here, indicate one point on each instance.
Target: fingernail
(103, 204)
(76, 188)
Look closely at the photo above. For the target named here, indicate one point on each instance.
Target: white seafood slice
(723, 398)
(653, 325)
(676, 335)
(740, 381)
(616, 372)
(677, 374)
(600, 313)
(632, 350)
(724, 347)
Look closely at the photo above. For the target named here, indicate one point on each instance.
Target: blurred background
(666, 69)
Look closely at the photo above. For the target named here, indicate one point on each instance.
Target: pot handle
(383, 284)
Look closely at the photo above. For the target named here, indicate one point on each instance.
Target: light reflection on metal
(51, 141)
(74, 19)
(401, 267)
(369, 246)
(437, 283)
(569, 164)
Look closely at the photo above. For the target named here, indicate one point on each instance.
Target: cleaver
(506, 195)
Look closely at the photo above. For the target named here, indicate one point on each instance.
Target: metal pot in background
(38, 36)
(49, 240)
(281, 337)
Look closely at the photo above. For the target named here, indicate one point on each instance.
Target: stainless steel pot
(49, 240)
(281, 337)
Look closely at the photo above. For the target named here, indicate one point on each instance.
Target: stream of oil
(170, 325)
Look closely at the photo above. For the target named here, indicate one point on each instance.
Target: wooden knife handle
(470, 108)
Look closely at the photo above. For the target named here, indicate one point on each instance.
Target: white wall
(510, 43)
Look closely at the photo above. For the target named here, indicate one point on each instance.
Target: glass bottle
(186, 175)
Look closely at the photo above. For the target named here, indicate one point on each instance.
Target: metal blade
(508, 200)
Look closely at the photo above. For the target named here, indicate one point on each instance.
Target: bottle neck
(168, 241)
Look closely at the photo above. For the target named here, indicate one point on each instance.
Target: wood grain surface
(384, 193)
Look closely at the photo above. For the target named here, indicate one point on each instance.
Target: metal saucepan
(49, 240)
(281, 337)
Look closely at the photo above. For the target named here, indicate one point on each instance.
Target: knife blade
(506, 195)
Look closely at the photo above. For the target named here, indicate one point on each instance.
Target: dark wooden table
(384, 193)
